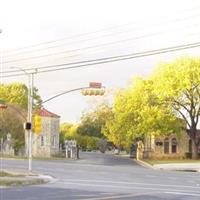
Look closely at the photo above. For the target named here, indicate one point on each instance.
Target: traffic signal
(93, 92)
(27, 126)
(37, 124)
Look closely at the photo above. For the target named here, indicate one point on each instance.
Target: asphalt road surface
(98, 176)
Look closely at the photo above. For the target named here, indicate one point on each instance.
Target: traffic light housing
(27, 125)
(37, 124)
(93, 92)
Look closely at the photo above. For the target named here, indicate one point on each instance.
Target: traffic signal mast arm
(91, 87)
(68, 91)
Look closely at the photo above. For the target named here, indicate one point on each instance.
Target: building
(172, 146)
(7, 145)
(46, 142)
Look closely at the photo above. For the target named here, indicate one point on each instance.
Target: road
(98, 176)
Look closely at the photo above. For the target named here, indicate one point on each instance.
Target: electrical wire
(85, 34)
(103, 60)
(91, 47)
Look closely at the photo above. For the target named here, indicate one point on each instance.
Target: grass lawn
(9, 179)
(9, 156)
(6, 174)
(166, 161)
(21, 182)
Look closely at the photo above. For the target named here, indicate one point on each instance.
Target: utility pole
(30, 114)
(29, 119)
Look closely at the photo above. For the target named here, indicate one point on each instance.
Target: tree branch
(184, 117)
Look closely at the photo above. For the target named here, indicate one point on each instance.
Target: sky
(38, 33)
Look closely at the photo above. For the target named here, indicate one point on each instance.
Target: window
(166, 146)
(190, 146)
(174, 145)
(42, 140)
(199, 145)
(54, 141)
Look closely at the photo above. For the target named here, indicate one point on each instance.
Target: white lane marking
(126, 187)
(182, 193)
(128, 183)
(151, 176)
(85, 195)
(117, 196)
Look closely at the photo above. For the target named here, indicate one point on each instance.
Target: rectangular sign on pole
(70, 143)
(95, 85)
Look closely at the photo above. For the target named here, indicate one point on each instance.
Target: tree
(12, 118)
(64, 131)
(114, 132)
(12, 122)
(93, 122)
(137, 113)
(178, 86)
(70, 132)
(89, 132)
(17, 94)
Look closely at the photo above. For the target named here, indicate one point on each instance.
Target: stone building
(46, 143)
(7, 145)
(172, 146)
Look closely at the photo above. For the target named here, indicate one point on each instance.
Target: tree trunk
(194, 150)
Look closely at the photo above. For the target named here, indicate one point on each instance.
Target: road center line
(118, 196)
(129, 183)
(126, 187)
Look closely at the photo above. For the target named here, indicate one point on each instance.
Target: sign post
(70, 145)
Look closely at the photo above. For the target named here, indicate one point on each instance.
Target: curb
(30, 176)
(6, 158)
(144, 164)
(47, 178)
(178, 169)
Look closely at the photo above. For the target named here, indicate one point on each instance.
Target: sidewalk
(192, 167)
(189, 167)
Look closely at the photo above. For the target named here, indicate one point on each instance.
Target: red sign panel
(95, 85)
(3, 106)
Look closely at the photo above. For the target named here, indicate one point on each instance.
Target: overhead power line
(27, 48)
(94, 46)
(104, 60)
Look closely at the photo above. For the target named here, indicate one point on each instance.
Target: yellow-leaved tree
(177, 85)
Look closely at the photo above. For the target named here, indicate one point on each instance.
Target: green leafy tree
(70, 132)
(114, 132)
(17, 94)
(178, 87)
(12, 122)
(137, 113)
(93, 122)
(12, 118)
(64, 131)
(14, 93)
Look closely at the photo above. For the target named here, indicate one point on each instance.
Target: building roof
(45, 113)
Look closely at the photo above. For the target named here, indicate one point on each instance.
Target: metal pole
(29, 116)
(30, 109)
